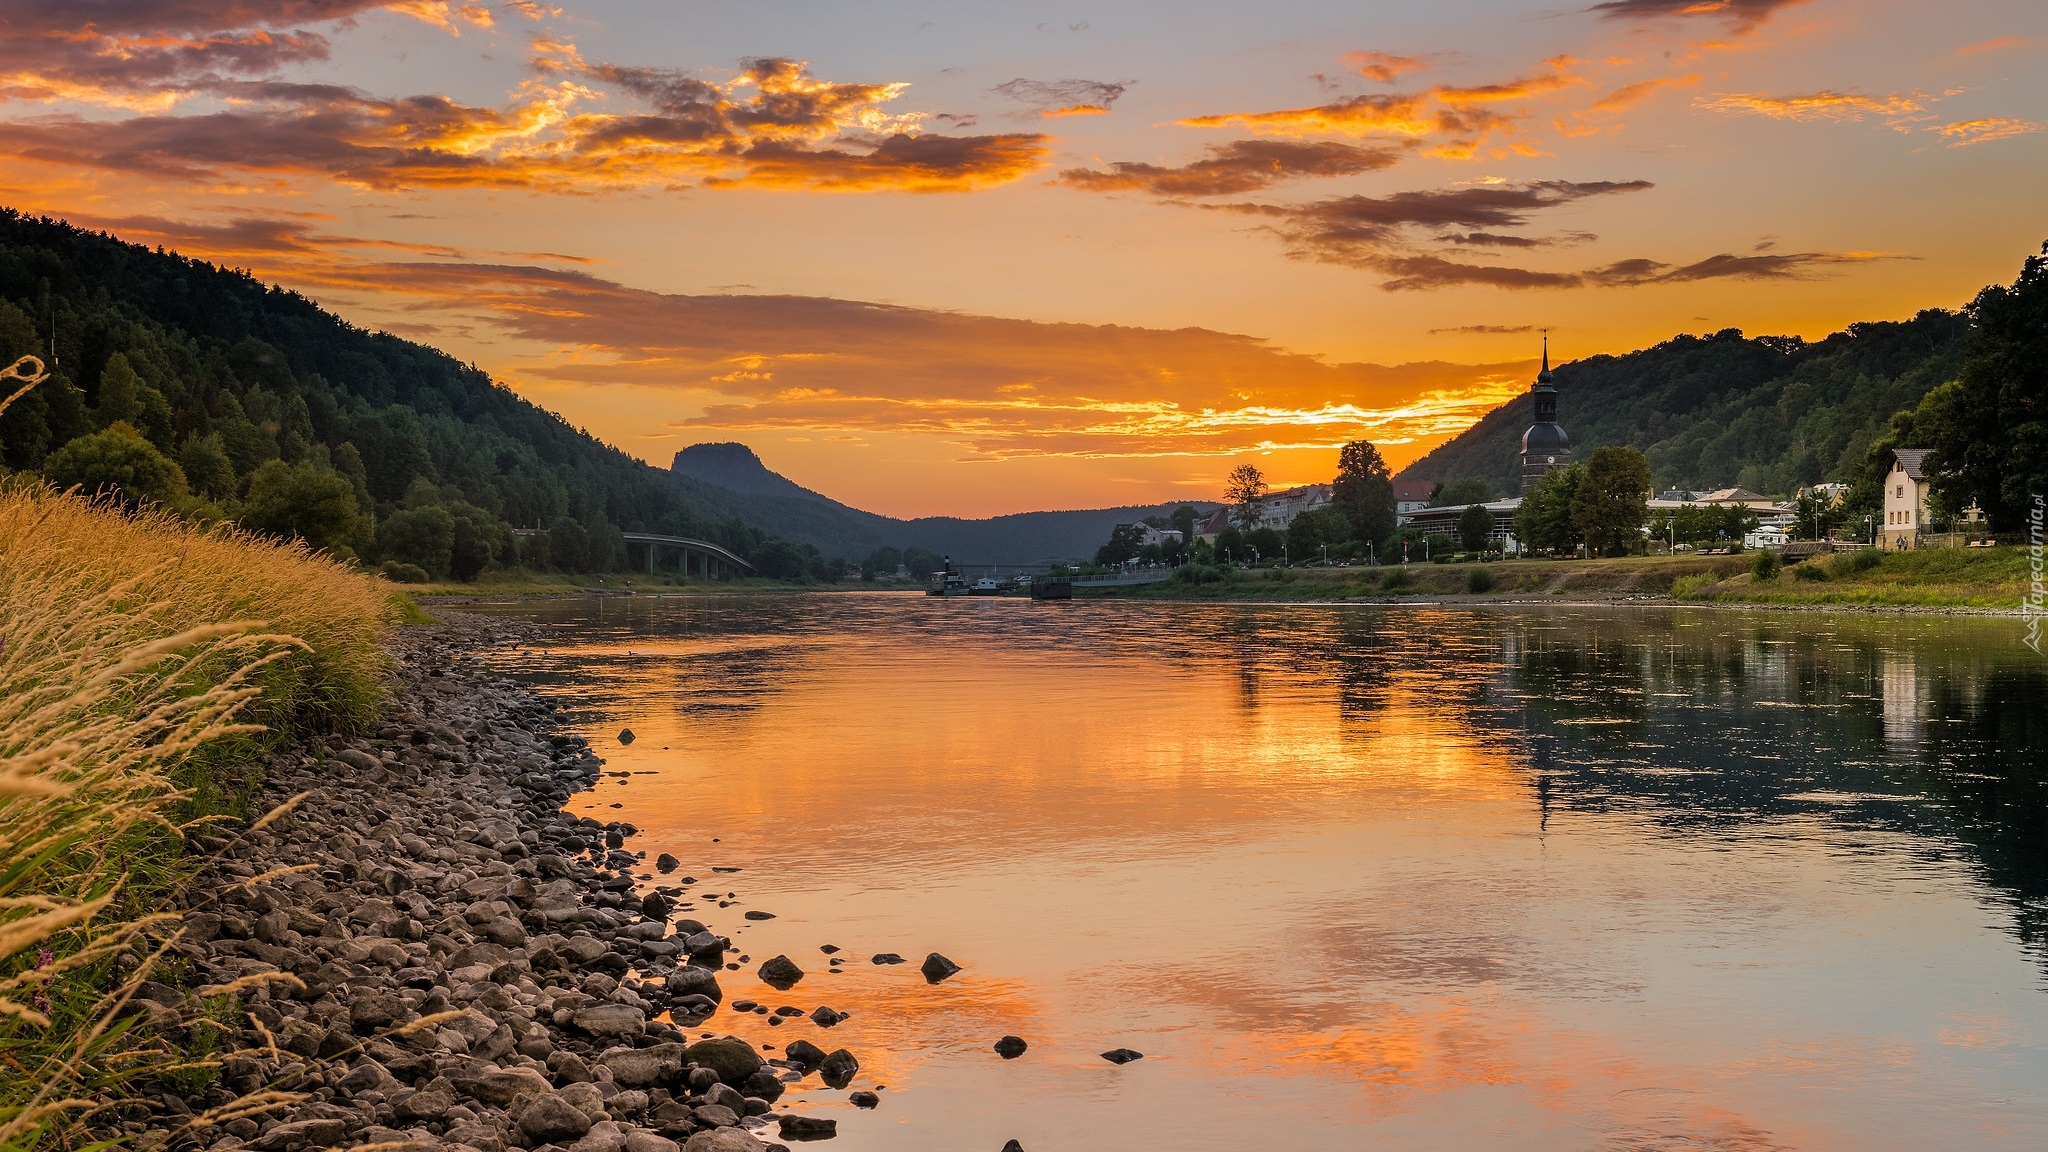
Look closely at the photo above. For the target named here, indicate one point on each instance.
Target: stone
(838, 1069)
(374, 1011)
(654, 906)
(360, 761)
(781, 973)
(610, 1020)
(793, 1127)
(626, 736)
(731, 1060)
(1011, 1047)
(863, 1099)
(825, 1017)
(804, 1053)
(304, 1133)
(715, 1116)
(694, 981)
(501, 1087)
(1122, 1055)
(1012, 1146)
(764, 1085)
(757, 914)
(550, 1118)
(643, 1067)
(937, 968)
(667, 863)
(424, 1107)
(723, 1140)
(889, 958)
(641, 1140)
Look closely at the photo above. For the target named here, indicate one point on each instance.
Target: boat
(947, 582)
(986, 586)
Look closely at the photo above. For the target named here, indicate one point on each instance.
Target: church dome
(1545, 439)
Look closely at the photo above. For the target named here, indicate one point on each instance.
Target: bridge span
(712, 561)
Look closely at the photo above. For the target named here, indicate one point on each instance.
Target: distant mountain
(779, 505)
(1767, 413)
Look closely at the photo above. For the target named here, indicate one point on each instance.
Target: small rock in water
(1122, 1055)
(863, 1099)
(626, 736)
(1013, 1146)
(806, 1128)
(667, 863)
(781, 973)
(825, 1017)
(716, 868)
(654, 906)
(828, 949)
(889, 958)
(1011, 1047)
(937, 968)
(804, 1053)
(757, 914)
(838, 1069)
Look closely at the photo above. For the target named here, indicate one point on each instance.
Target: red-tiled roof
(1414, 491)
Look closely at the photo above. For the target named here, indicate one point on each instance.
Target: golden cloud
(1963, 133)
(1824, 105)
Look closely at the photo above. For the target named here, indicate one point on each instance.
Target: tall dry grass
(139, 660)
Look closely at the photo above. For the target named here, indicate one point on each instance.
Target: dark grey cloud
(1063, 97)
(1236, 168)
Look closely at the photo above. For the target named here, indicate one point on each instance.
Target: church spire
(1544, 376)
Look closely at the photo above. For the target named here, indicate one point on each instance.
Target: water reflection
(1424, 878)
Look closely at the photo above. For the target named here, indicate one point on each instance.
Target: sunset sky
(972, 258)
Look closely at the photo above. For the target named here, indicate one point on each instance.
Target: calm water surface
(1351, 877)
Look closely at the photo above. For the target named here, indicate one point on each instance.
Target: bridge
(713, 562)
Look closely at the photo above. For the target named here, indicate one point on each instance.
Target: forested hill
(284, 416)
(1768, 412)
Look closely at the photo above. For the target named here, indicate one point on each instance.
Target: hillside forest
(200, 388)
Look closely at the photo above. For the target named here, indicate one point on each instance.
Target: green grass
(1963, 578)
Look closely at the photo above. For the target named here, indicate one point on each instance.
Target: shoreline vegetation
(277, 874)
(1975, 580)
(145, 665)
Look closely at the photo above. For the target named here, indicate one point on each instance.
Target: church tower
(1545, 447)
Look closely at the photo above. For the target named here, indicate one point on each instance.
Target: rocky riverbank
(433, 954)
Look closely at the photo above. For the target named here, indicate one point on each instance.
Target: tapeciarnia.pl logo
(2037, 588)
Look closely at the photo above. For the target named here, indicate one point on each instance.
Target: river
(1604, 877)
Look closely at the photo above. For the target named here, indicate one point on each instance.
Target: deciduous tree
(1364, 491)
(1611, 502)
(1246, 489)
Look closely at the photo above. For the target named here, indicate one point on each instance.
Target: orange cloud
(1629, 95)
(1963, 133)
(1824, 105)
(773, 125)
(1995, 44)
(1385, 67)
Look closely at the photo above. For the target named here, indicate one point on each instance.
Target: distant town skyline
(970, 259)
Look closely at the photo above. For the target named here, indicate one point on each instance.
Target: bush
(1478, 581)
(306, 501)
(1855, 563)
(119, 463)
(1809, 572)
(1396, 578)
(399, 572)
(419, 536)
(1280, 575)
(1695, 587)
(1764, 568)
(1202, 574)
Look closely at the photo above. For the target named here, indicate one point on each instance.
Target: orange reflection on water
(1368, 877)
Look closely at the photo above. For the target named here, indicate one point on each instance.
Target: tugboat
(947, 582)
(986, 586)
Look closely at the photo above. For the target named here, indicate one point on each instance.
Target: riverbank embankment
(430, 952)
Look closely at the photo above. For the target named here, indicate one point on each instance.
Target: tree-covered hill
(1769, 413)
(205, 389)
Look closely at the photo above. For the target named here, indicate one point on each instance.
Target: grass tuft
(143, 662)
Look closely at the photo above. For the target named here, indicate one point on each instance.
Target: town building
(1905, 499)
(1412, 496)
(1276, 511)
(1545, 447)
